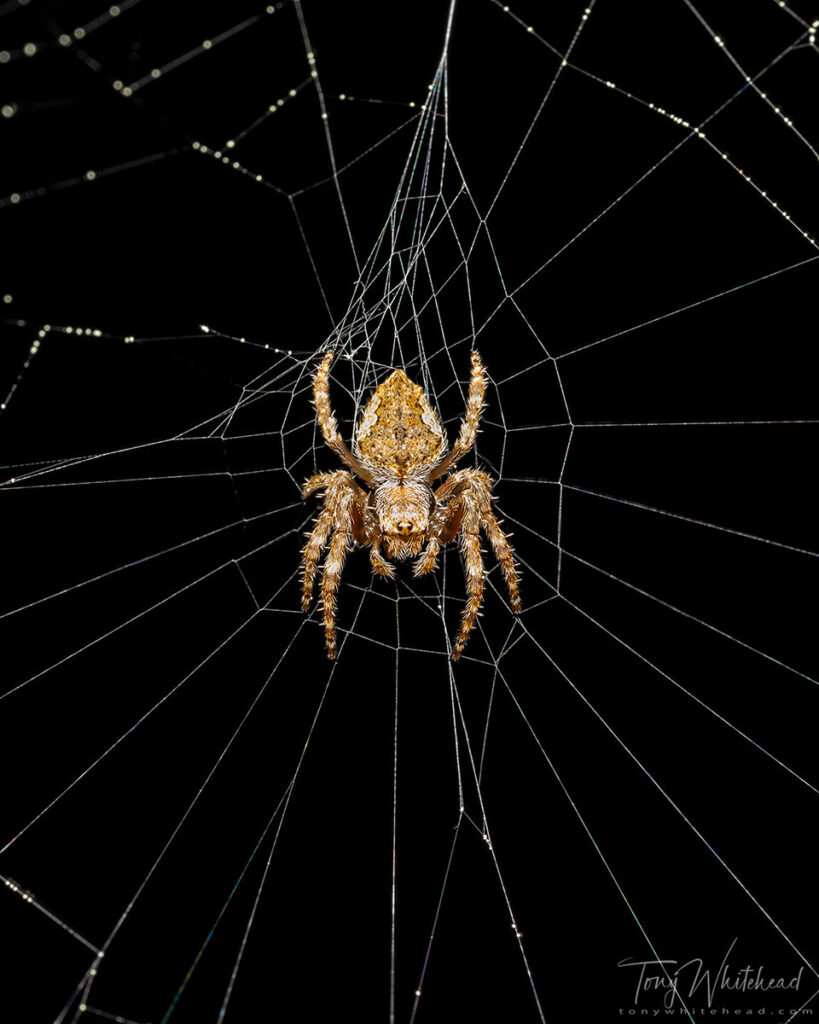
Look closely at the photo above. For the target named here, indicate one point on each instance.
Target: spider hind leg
(341, 521)
(505, 556)
(465, 508)
(474, 567)
(330, 579)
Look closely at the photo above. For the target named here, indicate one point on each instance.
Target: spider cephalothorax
(400, 448)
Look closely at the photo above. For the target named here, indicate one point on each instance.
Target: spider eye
(404, 528)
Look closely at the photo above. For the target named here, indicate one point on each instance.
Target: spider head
(403, 510)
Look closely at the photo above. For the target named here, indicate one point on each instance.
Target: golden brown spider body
(400, 448)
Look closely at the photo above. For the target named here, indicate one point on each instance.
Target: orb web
(204, 815)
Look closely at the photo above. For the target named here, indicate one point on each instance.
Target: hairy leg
(381, 567)
(471, 420)
(318, 538)
(505, 555)
(448, 513)
(319, 480)
(428, 559)
(474, 570)
(445, 522)
(342, 516)
(330, 579)
(465, 505)
(311, 554)
(327, 421)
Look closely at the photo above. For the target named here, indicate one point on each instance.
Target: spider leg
(464, 504)
(444, 525)
(504, 554)
(330, 579)
(313, 484)
(327, 421)
(474, 568)
(428, 559)
(381, 567)
(342, 516)
(312, 552)
(470, 422)
(318, 538)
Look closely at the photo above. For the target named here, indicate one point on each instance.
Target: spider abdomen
(399, 431)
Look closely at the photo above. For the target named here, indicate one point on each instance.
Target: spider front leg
(471, 421)
(328, 422)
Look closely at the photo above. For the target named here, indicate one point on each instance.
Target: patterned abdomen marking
(399, 430)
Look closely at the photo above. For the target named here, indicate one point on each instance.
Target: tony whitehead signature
(676, 980)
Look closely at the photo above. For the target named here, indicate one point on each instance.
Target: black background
(151, 252)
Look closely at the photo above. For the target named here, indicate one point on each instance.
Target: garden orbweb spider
(399, 449)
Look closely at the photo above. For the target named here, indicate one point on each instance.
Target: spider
(399, 449)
